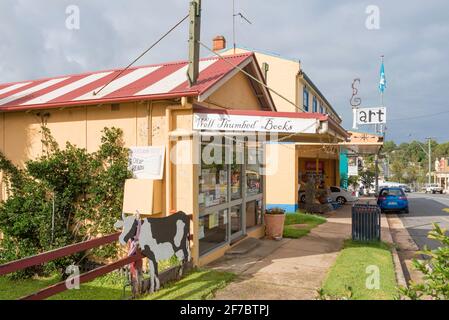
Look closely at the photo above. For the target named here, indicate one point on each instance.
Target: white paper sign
(371, 115)
(225, 122)
(353, 167)
(147, 162)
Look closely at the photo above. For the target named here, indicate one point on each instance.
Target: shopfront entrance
(230, 191)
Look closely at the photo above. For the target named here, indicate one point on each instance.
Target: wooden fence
(139, 286)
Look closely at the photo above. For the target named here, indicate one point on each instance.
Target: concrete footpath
(290, 269)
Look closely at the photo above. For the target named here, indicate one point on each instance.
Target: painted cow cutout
(158, 239)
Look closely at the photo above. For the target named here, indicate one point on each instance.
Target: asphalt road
(425, 209)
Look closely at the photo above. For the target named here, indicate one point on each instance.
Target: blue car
(393, 199)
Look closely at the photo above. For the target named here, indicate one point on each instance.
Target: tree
(65, 196)
(435, 282)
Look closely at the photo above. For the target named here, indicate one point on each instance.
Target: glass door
(236, 219)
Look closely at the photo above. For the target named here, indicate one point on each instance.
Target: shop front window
(253, 171)
(212, 230)
(213, 181)
(230, 194)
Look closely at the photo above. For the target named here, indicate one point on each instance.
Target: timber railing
(134, 260)
(67, 251)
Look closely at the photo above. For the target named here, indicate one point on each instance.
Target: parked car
(406, 188)
(434, 188)
(337, 194)
(393, 199)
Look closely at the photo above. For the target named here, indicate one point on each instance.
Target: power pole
(194, 41)
(430, 160)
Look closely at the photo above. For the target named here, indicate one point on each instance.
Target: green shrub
(85, 191)
(435, 282)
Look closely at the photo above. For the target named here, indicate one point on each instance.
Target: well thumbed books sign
(370, 116)
(226, 122)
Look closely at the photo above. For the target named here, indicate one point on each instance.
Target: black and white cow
(159, 239)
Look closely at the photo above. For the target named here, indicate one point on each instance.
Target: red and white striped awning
(138, 83)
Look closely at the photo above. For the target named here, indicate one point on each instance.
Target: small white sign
(225, 122)
(353, 167)
(147, 162)
(371, 115)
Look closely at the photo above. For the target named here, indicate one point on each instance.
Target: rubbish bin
(366, 222)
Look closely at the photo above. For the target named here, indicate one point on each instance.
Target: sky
(330, 38)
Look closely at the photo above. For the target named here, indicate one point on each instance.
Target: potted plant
(274, 223)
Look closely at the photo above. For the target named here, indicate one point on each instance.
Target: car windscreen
(392, 192)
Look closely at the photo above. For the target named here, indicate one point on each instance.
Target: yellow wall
(282, 170)
(281, 77)
(236, 93)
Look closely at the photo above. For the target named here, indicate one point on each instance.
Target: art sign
(226, 122)
(369, 116)
(147, 162)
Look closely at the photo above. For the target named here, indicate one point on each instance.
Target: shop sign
(311, 165)
(147, 162)
(371, 115)
(225, 122)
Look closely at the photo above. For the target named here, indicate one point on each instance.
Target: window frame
(305, 97)
(242, 202)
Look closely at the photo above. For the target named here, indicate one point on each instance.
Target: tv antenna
(234, 15)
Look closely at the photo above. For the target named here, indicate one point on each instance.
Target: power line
(144, 53)
(419, 117)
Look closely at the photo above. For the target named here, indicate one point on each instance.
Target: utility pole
(376, 164)
(430, 160)
(194, 41)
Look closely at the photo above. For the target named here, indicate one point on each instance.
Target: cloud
(329, 37)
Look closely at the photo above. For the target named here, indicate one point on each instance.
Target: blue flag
(383, 80)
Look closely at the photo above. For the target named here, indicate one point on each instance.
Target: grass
(197, 285)
(200, 284)
(108, 287)
(309, 220)
(350, 271)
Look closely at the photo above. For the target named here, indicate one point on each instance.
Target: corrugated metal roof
(137, 83)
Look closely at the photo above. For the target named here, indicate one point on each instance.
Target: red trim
(299, 115)
(213, 73)
(57, 105)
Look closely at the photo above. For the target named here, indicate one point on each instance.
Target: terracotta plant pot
(274, 225)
